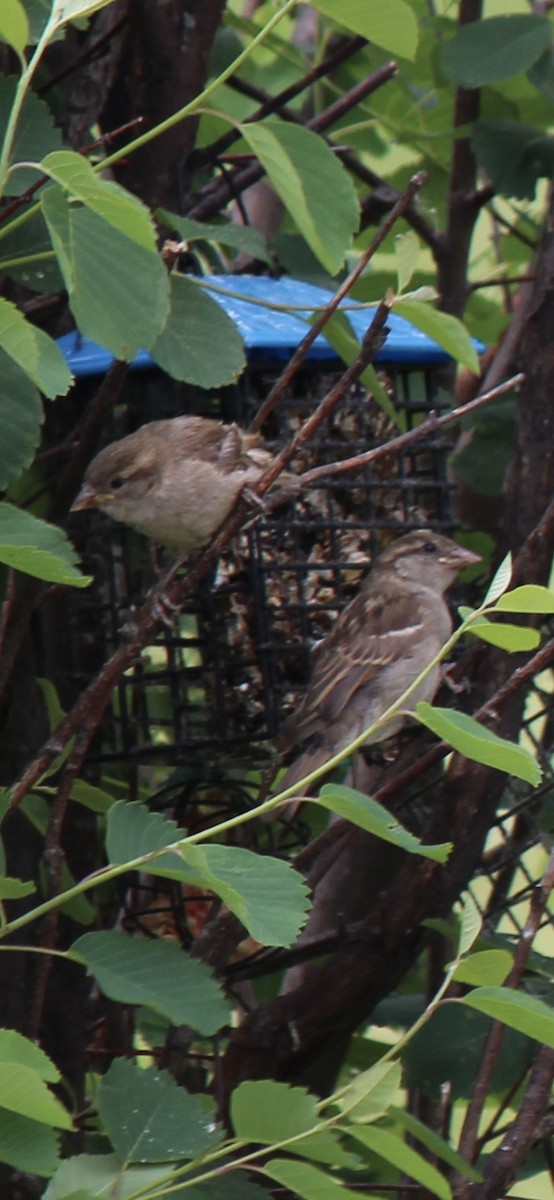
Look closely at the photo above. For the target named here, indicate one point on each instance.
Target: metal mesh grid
(225, 676)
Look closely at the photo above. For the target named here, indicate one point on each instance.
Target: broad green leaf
(312, 184)
(158, 974)
(267, 1112)
(14, 889)
(120, 294)
(525, 1013)
(149, 1119)
(26, 255)
(36, 135)
(199, 343)
(23, 1091)
(64, 11)
(91, 1176)
(306, 1181)
(391, 24)
(470, 923)
(374, 818)
(33, 351)
(371, 1093)
(404, 1158)
(489, 51)
(500, 580)
(240, 237)
(94, 798)
(484, 967)
(530, 598)
(16, 1048)
(37, 548)
(445, 329)
(473, 740)
(113, 203)
(513, 638)
(431, 1140)
(406, 250)
(27, 1145)
(21, 417)
(514, 156)
(324, 1147)
(56, 213)
(265, 893)
(14, 26)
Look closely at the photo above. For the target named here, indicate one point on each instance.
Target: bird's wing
(375, 631)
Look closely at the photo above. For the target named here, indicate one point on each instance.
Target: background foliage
(174, 1100)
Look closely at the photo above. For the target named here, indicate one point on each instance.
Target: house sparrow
(174, 480)
(379, 645)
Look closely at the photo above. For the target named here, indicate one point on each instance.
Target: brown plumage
(174, 480)
(379, 645)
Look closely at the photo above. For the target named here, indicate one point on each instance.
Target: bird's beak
(87, 498)
(460, 557)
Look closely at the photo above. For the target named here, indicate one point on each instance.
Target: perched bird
(379, 645)
(174, 480)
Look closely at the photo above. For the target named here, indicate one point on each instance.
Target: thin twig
(319, 324)
(428, 426)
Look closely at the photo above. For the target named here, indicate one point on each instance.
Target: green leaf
(525, 1013)
(484, 967)
(446, 330)
(391, 24)
(489, 51)
(35, 135)
(431, 1140)
(23, 1091)
(94, 798)
(265, 1111)
(27, 1145)
(306, 1181)
(113, 203)
(530, 598)
(158, 974)
(407, 250)
(240, 237)
(101, 267)
(312, 183)
(404, 1158)
(372, 1092)
(14, 26)
(266, 894)
(21, 417)
(149, 1119)
(470, 923)
(14, 889)
(33, 546)
(500, 580)
(473, 740)
(33, 351)
(15, 1048)
(64, 11)
(513, 156)
(199, 343)
(26, 255)
(91, 1176)
(374, 818)
(513, 638)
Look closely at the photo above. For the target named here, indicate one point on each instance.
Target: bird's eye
(117, 482)
(430, 548)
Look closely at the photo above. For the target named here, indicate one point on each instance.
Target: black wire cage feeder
(217, 686)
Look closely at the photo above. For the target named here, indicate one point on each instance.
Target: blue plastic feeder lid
(273, 335)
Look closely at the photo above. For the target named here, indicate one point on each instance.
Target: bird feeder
(219, 684)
